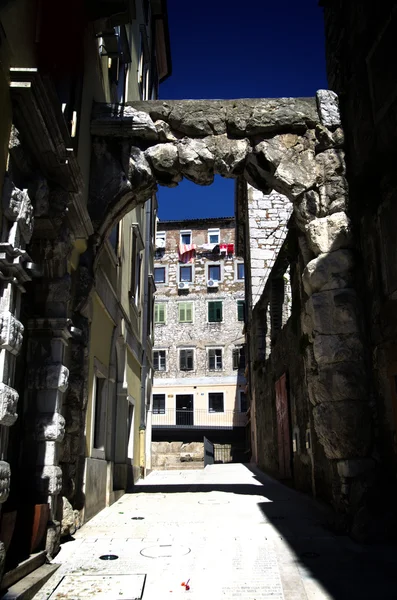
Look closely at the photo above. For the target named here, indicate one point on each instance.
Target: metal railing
(172, 418)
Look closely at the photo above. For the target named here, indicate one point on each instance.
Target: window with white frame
(186, 359)
(216, 402)
(160, 275)
(214, 236)
(158, 404)
(160, 244)
(185, 312)
(186, 273)
(215, 311)
(214, 272)
(159, 360)
(239, 358)
(240, 274)
(185, 237)
(215, 362)
(160, 313)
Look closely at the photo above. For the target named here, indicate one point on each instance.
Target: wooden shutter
(211, 312)
(189, 311)
(182, 312)
(218, 311)
(235, 358)
(240, 310)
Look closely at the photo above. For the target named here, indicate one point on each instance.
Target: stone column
(330, 322)
(17, 227)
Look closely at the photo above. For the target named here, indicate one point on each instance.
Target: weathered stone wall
(268, 217)
(359, 38)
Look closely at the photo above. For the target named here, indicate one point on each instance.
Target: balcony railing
(185, 419)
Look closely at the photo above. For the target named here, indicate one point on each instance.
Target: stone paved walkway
(234, 533)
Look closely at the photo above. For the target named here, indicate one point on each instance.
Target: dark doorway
(184, 409)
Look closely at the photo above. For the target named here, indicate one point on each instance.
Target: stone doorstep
(23, 569)
(28, 587)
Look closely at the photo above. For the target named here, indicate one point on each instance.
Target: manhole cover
(108, 557)
(310, 555)
(165, 551)
(100, 587)
(137, 518)
(213, 501)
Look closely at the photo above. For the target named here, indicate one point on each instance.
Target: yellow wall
(134, 390)
(100, 346)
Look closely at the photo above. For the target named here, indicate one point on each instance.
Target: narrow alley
(229, 532)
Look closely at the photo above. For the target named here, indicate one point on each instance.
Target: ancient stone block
(5, 480)
(331, 312)
(49, 377)
(8, 405)
(135, 124)
(49, 480)
(11, 333)
(296, 173)
(165, 163)
(337, 382)
(344, 428)
(329, 233)
(196, 161)
(330, 349)
(328, 271)
(68, 525)
(198, 117)
(354, 466)
(18, 207)
(331, 163)
(164, 131)
(140, 174)
(229, 154)
(53, 538)
(328, 108)
(50, 427)
(309, 207)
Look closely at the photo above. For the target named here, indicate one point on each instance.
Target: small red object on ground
(186, 585)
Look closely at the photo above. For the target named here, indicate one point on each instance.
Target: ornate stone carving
(18, 207)
(8, 405)
(49, 377)
(5, 478)
(11, 333)
(50, 427)
(49, 480)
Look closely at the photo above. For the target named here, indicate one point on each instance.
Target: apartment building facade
(199, 351)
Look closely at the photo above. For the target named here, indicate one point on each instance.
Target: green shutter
(159, 312)
(182, 312)
(189, 312)
(185, 312)
(240, 310)
(211, 312)
(215, 312)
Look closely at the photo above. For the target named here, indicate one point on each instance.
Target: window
(159, 312)
(159, 274)
(215, 402)
(100, 412)
(215, 359)
(239, 358)
(185, 312)
(159, 362)
(214, 272)
(185, 273)
(215, 312)
(213, 236)
(158, 404)
(185, 237)
(186, 360)
(114, 238)
(240, 271)
(136, 262)
(240, 310)
(160, 244)
(243, 402)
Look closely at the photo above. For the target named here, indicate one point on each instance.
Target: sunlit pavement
(228, 529)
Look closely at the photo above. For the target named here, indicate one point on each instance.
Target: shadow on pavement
(345, 569)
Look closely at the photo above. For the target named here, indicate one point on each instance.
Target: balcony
(189, 419)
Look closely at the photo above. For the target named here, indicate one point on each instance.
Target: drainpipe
(142, 427)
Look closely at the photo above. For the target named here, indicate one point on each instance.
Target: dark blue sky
(230, 49)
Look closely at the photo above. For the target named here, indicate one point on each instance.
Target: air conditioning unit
(183, 285)
(212, 283)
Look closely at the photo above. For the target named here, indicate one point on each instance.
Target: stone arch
(291, 145)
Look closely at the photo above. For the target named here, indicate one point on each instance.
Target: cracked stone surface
(249, 536)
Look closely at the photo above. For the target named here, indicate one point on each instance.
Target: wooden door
(283, 428)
